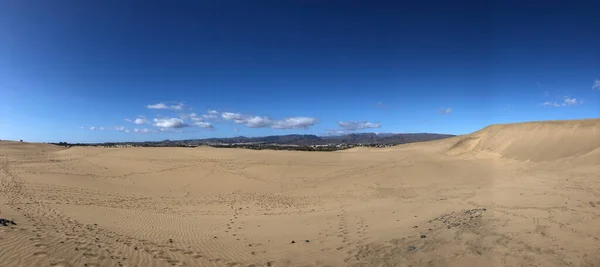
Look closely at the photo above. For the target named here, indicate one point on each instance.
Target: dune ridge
(533, 141)
(523, 194)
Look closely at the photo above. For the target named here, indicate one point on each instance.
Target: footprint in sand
(153, 251)
(40, 253)
(117, 257)
(91, 255)
(194, 255)
(174, 262)
(162, 257)
(41, 245)
(59, 263)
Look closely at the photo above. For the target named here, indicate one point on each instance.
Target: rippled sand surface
(523, 194)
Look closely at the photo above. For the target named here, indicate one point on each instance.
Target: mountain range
(308, 139)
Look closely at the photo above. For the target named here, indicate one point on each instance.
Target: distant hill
(292, 140)
(385, 139)
(308, 139)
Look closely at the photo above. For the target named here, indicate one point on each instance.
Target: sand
(524, 194)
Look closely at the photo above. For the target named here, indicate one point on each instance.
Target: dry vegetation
(508, 195)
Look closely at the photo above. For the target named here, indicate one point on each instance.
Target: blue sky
(92, 71)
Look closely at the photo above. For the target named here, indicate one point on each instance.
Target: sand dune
(534, 141)
(524, 194)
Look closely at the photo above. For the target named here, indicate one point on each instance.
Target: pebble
(423, 236)
(293, 242)
(411, 248)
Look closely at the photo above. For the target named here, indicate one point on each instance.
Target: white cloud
(194, 117)
(357, 125)
(236, 130)
(551, 104)
(567, 101)
(164, 106)
(94, 128)
(231, 116)
(175, 123)
(596, 85)
(140, 120)
(121, 129)
(264, 122)
(170, 130)
(143, 130)
(257, 122)
(570, 101)
(178, 106)
(444, 111)
(158, 106)
(336, 132)
(209, 116)
(202, 124)
(294, 123)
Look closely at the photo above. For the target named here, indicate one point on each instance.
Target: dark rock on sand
(6, 222)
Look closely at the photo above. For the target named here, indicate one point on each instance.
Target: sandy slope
(508, 195)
